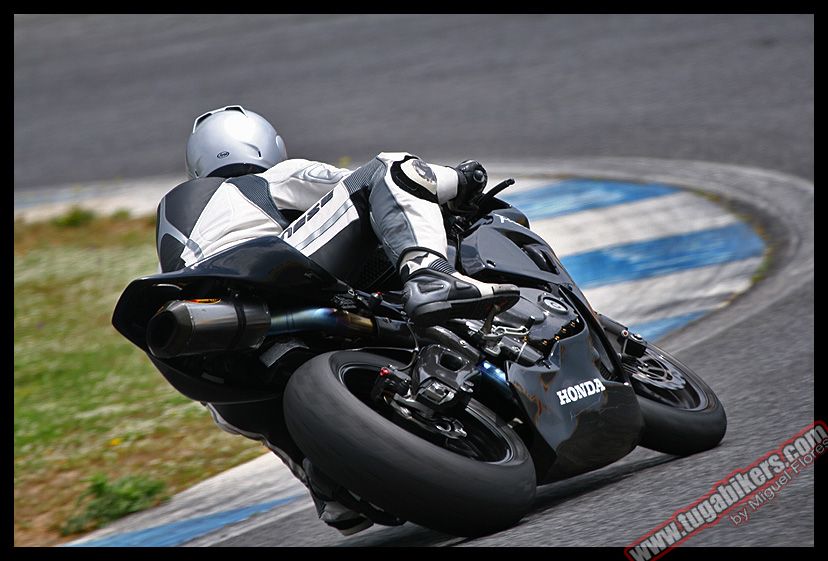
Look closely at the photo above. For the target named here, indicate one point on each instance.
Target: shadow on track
(549, 496)
(559, 492)
(407, 535)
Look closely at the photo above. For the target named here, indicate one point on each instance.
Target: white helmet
(232, 141)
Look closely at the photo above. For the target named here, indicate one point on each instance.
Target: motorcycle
(451, 426)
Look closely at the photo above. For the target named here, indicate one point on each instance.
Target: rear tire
(338, 428)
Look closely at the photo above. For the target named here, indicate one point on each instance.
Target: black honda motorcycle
(451, 426)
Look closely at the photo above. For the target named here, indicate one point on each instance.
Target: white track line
(676, 294)
(657, 217)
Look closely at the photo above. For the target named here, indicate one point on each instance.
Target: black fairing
(512, 214)
(583, 434)
(501, 250)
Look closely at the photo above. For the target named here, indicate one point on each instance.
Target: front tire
(682, 415)
(353, 441)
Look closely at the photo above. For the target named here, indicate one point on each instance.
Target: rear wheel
(467, 474)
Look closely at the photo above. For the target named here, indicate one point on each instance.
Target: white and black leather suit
(394, 198)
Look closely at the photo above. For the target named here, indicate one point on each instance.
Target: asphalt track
(106, 98)
(103, 97)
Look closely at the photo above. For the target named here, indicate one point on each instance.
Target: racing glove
(471, 180)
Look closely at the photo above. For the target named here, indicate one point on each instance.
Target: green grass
(74, 218)
(104, 502)
(87, 401)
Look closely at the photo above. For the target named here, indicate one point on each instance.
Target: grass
(110, 501)
(88, 403)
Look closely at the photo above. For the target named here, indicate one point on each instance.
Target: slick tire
(397, 470)
(679, 431)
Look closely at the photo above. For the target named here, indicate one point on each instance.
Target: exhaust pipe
(332, 320)
(189, 327)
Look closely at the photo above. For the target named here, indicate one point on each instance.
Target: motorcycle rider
(242, 186)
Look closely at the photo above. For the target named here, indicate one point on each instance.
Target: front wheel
(470, 475)
(681, 413)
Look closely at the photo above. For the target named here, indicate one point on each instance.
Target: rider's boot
(434, 291)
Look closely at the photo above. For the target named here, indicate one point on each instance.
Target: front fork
(626, 342)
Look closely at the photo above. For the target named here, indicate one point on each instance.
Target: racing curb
(781, 206)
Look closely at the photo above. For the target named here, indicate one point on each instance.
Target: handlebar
(488, 195)
(479, 206)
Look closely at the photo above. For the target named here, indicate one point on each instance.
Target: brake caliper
(390, 382)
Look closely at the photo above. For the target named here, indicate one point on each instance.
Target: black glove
(471, 180)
